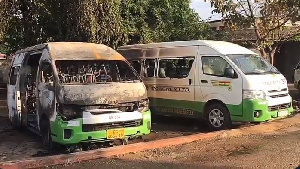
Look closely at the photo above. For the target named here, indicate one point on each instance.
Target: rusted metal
(110, 94)
(82, 51)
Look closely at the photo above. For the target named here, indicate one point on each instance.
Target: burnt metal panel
(82, 51)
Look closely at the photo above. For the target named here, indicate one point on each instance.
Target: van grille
(279, 107)
(279, 95)
(107, 126)
(124, 107)
(282, 90)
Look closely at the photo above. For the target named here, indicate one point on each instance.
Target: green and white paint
(250, 95)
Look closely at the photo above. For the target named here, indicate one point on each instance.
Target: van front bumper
(64, 134)
(260, 111)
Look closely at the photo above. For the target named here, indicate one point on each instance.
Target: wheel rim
(216, 117)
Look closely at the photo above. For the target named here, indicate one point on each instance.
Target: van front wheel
(217, 117)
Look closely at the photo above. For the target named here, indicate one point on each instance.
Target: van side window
(175, 68)
(46, 73)
(13, 75)
(214, 65)
(149, 68)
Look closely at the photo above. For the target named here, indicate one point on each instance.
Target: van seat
(208, 70)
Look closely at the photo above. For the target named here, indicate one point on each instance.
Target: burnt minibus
(74, 92)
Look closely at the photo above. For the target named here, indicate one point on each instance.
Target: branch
(253, 44)
(276, 27)
(243, 9)
(254, 22)
(291, 35)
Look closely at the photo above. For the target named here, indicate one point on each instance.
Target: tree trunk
(269, 54)
(263, 53)
(272, 53)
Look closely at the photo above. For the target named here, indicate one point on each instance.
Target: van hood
(95, 94)
(265, 82)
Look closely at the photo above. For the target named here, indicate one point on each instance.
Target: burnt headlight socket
(143, 105)
(69, 112)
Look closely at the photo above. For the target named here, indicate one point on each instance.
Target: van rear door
(13, 95)
(13, 89)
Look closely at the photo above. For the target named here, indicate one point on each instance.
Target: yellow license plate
(115, 133)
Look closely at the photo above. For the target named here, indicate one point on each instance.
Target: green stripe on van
(184, 108)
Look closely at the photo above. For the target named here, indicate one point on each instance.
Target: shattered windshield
(94, 71)
(253, 64)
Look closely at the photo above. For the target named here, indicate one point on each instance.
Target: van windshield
(94, 71)
(253, 64)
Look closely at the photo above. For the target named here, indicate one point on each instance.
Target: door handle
(190, 81)
(204, 81)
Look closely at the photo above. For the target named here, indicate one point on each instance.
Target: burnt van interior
(94, 71)
(28, 87)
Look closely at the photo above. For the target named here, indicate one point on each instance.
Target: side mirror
(229, 72)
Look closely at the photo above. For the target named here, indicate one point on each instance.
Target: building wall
(287, 58)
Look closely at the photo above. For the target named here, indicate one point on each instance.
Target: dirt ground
(280, 150)
(16, 144)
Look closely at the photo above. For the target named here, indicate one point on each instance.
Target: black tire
(46, 134)
(217, 112)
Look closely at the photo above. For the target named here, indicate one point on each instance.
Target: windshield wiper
(253, 73)
(270, 72)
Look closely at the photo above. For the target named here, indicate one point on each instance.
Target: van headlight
(254, 94)
(143, 105)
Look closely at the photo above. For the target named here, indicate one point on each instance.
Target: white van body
(218, 85)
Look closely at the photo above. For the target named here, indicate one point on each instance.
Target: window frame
(12, 70)
(155, 70)
(140, 62)
(40, 79)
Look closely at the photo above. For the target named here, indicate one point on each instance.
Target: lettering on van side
(181, 111)
(282, 81)
(169, 89)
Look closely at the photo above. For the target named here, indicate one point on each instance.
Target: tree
(29, 22)
(161, 20)
(111, 22)
(272, 21)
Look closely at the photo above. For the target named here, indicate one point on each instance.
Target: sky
(204, 9)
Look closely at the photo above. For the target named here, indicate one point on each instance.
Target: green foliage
(112, 22)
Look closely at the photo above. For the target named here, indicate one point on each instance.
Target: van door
(214, 85)
(46, 90)
(13, 95)
(173, 87)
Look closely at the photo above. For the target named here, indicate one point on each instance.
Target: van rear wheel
(217, 117)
